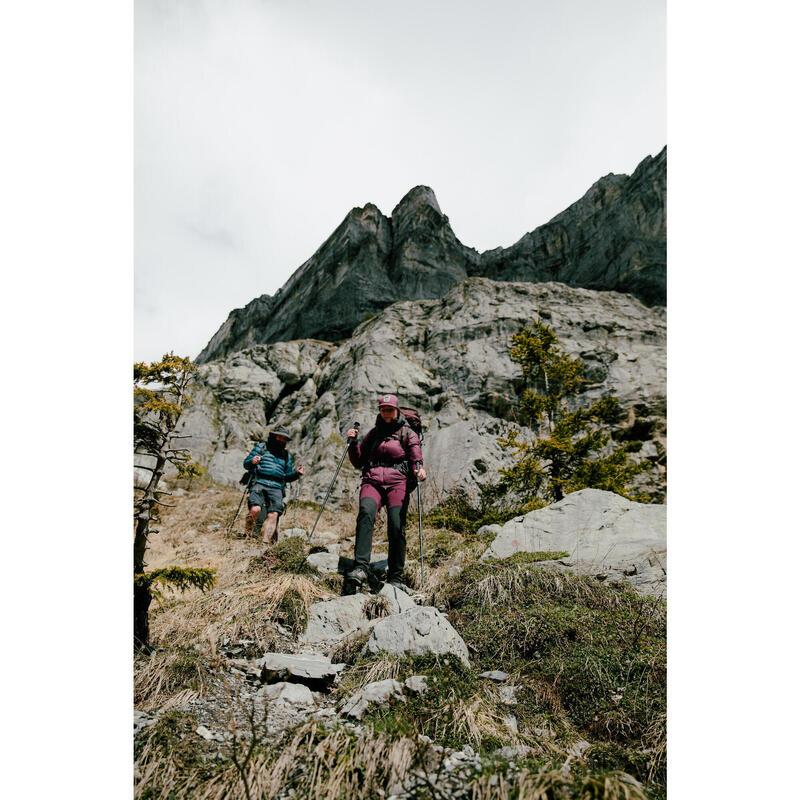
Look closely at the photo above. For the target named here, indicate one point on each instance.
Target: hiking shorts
(270, 498)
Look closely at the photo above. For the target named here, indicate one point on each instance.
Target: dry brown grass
(348, 649)
(380, 668)
(167, 678)
(481, 717)
(377, 606)
(188, 629)
(340, 766)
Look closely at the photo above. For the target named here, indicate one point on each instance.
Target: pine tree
(159, 399)
(570, 447)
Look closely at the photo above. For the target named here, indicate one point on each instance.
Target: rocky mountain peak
(416, 200)
(614, 237)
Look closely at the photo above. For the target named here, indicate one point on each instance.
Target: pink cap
(387, 400)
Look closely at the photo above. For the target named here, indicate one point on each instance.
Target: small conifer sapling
(159, 399)
(570, 446)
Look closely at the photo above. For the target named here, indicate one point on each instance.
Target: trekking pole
(356, 425)
(421, 563)
(241, 501)
(296, 500)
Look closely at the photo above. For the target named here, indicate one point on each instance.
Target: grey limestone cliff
(446, 356)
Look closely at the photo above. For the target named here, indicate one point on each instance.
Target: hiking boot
(357, 576)
(398, 584)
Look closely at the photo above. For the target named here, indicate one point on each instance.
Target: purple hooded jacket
(377, 446)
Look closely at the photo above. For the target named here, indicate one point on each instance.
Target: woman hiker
(272, 469)
(387, 456)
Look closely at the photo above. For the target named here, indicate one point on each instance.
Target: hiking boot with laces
(357, 575)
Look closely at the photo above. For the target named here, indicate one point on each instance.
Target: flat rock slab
(326, 563)
(291, 694)
(311, 669)
(377, 693)
(290, 532)
(417, 631)
(496, 675)
(605, 535)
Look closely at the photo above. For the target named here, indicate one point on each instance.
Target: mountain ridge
(612, 238)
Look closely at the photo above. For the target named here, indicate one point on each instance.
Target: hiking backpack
(413, 419)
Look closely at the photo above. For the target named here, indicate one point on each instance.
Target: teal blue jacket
(275, 468)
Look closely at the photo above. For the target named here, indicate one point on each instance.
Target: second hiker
(390, 457)
(271, 465)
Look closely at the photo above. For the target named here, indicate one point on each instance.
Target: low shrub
(590, 656)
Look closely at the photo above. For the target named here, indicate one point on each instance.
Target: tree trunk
(555, 479)
(142, 596)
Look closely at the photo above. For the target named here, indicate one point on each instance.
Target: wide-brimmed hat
(387, 400)
(281, 432)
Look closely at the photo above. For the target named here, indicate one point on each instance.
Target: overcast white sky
(260, 123)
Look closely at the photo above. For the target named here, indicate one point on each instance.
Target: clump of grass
(349, 649)
(551, 782)
(458, 707)
(170, 753)
(344, 766)
(368, 668)
(377, 606)
(163, 673)
(458, 512)
(320, 764)
(292, 612)
(284, 591)
(290, 556)
(246, 611)
(333, 582)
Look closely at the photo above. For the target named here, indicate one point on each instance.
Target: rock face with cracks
(605, 535)
(417, 632)
(447, 357)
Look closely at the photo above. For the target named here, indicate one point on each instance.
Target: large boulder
(605, 535)
(417, 632)
(330, 621)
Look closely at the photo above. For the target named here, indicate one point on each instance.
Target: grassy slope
(589, 660)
